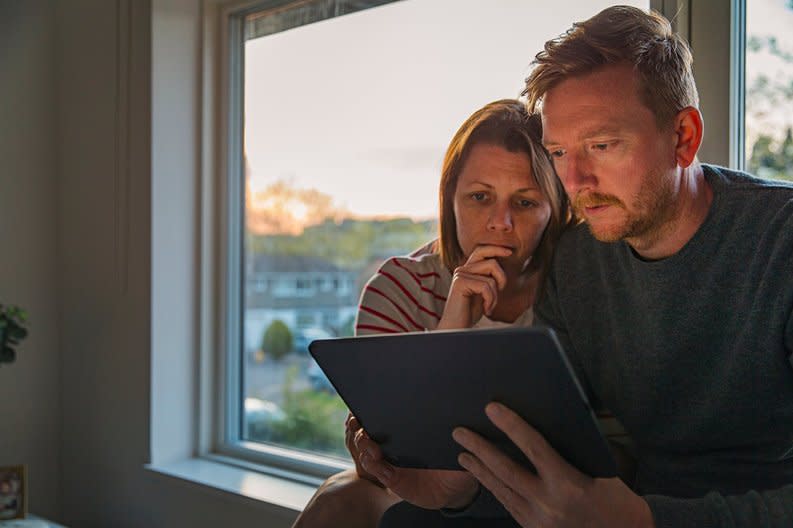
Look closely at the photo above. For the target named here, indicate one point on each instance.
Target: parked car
(319, 381)
(305, 336)
(259, 416)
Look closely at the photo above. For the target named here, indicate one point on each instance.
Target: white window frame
(221, 137)
(226, 439)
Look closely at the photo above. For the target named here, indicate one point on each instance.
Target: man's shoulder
(733, 181)
(743, 199)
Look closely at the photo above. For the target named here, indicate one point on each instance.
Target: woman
(502, 209)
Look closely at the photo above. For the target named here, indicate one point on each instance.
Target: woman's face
(498, 202)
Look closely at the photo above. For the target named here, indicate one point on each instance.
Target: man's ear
(689, 130)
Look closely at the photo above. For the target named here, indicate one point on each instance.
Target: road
(265, 380)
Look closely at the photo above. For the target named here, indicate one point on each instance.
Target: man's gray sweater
(692, 353)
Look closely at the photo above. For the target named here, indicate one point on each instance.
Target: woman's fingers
(470, 285)
(351, 426)
(485, 251)
(353, 435)
(486, 268)
(475, 286)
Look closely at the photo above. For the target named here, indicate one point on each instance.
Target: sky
(361, 107)
(766, 18)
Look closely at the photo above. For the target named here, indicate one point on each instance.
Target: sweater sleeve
(769, 509)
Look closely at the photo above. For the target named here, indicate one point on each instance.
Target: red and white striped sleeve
(399, 298)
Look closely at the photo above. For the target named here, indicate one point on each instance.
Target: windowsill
(277, 491)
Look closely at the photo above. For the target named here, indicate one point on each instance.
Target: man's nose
(500, 218)
(576, 173)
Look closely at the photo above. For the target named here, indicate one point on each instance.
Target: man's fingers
(493, 465)
(528, 439)
(516, 504)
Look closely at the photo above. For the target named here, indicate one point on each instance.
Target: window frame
(222, 201)
(281, 461)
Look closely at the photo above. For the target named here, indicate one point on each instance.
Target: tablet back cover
(410, 390)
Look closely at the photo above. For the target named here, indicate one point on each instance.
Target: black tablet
(409, 391)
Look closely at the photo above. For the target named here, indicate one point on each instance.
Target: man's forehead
(583, 121)
(583, 112)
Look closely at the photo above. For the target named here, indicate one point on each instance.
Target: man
(674, 301)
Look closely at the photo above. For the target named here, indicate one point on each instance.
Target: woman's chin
(513, 267)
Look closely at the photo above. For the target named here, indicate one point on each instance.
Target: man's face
(617, 167)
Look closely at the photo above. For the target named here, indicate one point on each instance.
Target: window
(337, 127)
(769, 88)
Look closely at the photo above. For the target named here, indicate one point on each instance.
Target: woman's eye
(478, 196)
(525, 203)
(558, 153)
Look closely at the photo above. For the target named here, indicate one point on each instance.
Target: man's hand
(427, 488)
(475, 287)
(558, 495)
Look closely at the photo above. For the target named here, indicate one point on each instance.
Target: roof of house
(291, 264)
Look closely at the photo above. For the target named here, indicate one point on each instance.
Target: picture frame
(13, 492)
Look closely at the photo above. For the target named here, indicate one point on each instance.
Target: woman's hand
(352, 428)
(427, 488)
(475, 288)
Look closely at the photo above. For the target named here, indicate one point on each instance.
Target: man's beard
(651, 208)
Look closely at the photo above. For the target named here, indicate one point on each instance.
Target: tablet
(409, 391)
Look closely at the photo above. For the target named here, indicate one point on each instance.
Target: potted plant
(12, 331)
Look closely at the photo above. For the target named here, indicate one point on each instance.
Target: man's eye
(600, 146)
(558, 153)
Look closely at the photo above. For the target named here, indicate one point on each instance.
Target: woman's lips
(511, 248)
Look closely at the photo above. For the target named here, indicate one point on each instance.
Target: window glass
(346, 123)
(769, 88)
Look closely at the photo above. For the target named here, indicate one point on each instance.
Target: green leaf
(17, 332)
(7, 355)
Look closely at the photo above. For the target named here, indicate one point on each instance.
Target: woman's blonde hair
(621, 35)
(508, 124)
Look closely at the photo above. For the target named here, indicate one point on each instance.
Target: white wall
(30, 387)
(127, 196)
(75, 206)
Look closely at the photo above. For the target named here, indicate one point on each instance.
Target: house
(301, 291)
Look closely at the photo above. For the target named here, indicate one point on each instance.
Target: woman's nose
(500, 219)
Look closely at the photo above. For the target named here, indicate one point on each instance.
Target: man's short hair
(621, 35)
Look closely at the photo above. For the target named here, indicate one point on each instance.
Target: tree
(770, 162)
(277, 340)
(762, 155)
(12, 331)
(348, 328)
(314, 420)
